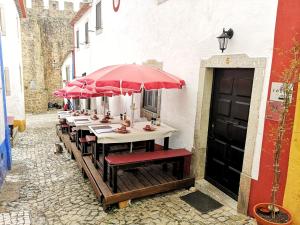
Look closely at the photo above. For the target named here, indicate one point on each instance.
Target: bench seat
(90, 138)
(82, 140)
(123, 159)
(132, 160)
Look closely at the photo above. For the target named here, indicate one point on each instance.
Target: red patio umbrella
(77, 92)
(132, 77)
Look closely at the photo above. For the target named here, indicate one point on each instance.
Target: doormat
(202, 202)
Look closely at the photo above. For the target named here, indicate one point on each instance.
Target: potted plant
(272, 213)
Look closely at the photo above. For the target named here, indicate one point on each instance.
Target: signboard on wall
(275, 104)
(274, 109)
(277, 92)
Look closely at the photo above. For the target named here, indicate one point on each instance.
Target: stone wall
(36, 101)
(47, 37)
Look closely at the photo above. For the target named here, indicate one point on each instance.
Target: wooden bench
(64, 128)
(131, 160)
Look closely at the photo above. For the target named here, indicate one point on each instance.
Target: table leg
(166, 147)
(115, 180)
(152, 145)
(96, 154)
(105, 153)
(77, 138)
(166, 143)
(110, 176)
(181, 168)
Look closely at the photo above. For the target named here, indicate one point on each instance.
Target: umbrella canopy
(132, 78)
(77, 92)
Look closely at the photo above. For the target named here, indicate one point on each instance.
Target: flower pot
(262, 221)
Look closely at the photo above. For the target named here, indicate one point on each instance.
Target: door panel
(228, 128)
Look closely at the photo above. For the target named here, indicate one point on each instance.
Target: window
(98, 16)
(86, 32)
(67, 73)
(7, 82)
(150, 100)
(2, 22)
(77, 39)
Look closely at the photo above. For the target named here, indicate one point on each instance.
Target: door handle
(213, 130)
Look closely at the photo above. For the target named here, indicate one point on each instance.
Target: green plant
(290, 76)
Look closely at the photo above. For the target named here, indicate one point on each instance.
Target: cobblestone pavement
(47, 188)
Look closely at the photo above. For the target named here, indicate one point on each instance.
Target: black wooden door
(228, 128)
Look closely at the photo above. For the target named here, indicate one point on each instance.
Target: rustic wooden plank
(132, 178)
(97, 177)
(166, 175)
(156, 176)
(129, 184)
(148, 176)
(91, 177)
(141, 178)
(178, 184)
(122, 187)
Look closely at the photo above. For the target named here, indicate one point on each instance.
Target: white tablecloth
(137, 133)
(63, 114)
(70, 119)
(83, 125)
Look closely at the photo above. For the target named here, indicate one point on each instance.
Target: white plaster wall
(67, 63)
(180, 34)
(12, 59)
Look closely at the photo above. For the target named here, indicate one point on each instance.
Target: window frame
(7, 82)
(86, 32)
(153, 105)
(68, 73)
(99, 22)
(77, 39)
(2, 21)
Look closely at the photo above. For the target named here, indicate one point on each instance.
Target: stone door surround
(203, 112)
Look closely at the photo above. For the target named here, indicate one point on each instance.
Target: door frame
(203, 112)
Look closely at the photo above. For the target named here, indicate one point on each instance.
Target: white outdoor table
(84, 125)
(135, 134)
(70, 119)
(63, 114)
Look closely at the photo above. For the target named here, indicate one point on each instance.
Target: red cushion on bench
(120, 159)
(90, 138)
(82, 140)
(64, 125)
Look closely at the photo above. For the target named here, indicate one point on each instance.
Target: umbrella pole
(132, 107)
(103, 104)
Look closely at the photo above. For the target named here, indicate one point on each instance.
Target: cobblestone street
(47, 188)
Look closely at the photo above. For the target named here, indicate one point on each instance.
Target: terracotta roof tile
(84, 8)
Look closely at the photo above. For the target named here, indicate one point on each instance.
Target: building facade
(225, 94)
(13, 68)
(11, 82)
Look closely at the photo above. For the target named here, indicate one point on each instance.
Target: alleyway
(47, 188)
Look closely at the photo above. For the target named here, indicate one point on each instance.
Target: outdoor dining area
(120, 155)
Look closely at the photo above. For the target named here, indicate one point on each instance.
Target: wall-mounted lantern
(223, 38)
